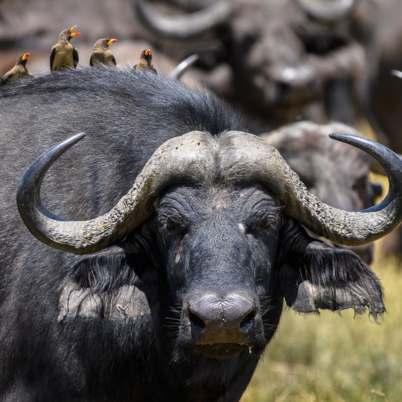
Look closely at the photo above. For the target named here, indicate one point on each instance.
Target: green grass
(333, 357)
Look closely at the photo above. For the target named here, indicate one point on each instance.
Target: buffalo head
(215, 224)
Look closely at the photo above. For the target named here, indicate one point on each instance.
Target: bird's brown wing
(75, 57)
(52, 56)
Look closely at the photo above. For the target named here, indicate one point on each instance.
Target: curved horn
(184, 26)
(183, 66)
(251, 158)
(187, 157)
(325, 10)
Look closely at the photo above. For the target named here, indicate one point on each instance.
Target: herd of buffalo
(154, 223)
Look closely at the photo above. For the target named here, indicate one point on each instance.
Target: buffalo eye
(174, 226)
(262, 221)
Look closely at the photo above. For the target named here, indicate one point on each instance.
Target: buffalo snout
(225, 322)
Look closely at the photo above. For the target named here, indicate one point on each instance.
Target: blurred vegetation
(336, 357)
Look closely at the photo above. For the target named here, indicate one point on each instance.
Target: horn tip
(194, 57)
(74, 139)
(341, 136)
(79, 136)
(396, 73)
(350, 139)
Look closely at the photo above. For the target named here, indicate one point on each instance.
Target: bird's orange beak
(73, 31)
(25, 56)
(148, 53)
(111, 41)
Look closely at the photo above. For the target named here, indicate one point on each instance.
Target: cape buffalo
(173, 238)
(281, 57)
(335, 172)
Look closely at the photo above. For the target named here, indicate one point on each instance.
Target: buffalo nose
(226, 319)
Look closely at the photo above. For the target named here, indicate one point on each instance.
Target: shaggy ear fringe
(315, 275)
(104, 272)
(341, 280)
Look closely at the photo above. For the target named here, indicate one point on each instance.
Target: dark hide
(114, 326)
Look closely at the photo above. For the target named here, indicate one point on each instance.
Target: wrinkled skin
(219, 242)
(185, 304)
(336, 173)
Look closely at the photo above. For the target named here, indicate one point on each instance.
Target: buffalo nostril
(247, 322)
(196, 321)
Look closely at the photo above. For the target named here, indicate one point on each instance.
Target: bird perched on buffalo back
(64, 54)
(145, 63)
(18, 71)
(102, 54)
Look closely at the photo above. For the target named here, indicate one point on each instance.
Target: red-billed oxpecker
(145, 63)
(102, 54)
(64, 54)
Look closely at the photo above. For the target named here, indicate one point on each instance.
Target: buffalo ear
(103, 271)
(102, 286)
(318, 276)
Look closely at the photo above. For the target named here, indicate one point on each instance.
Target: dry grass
(336, 358)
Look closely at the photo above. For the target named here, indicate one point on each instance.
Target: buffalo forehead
(199, 203)
(231, 157)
